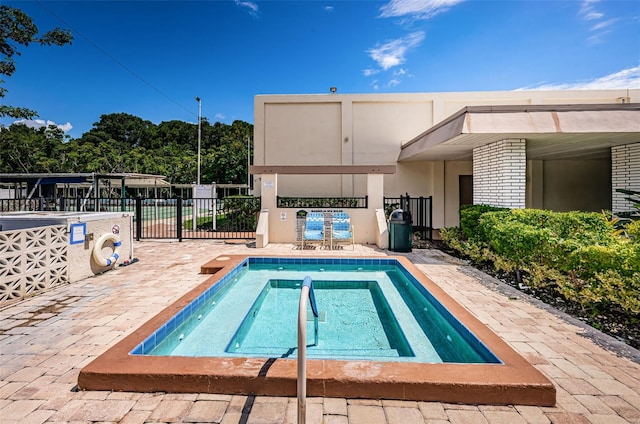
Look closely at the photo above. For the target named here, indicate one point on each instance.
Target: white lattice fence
(32, 260)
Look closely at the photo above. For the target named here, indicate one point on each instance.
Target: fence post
(430, 218)
(62, 204)
(421, 210)
(138, 218)
(179, 218)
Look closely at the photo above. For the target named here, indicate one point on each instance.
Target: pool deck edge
(515, 381)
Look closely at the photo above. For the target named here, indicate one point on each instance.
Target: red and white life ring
(97, 250)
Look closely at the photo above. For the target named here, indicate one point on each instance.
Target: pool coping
(515, 381)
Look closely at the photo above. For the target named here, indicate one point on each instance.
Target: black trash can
(400, 231)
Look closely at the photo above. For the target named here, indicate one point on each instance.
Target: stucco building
(559, 150)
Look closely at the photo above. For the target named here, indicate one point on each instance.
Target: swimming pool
(409, 339)
(369, 309)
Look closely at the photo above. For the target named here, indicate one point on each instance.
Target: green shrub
(469, 219)
(449, 235)
(579, 252)
(587, 261)
(478, 252)
(608, 288)
(520, 242)
(633, 230)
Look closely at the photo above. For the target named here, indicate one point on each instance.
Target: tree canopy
(120, 142)
(17, 30)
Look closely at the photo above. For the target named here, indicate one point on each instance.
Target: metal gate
(421, 212)
(224, 219)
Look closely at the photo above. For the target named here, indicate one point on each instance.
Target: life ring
(97, 250)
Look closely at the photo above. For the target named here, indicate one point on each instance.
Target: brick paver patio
(47, 339)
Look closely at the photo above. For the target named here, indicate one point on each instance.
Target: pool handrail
(306, 291)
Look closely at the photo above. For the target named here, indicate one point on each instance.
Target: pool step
(320, 353)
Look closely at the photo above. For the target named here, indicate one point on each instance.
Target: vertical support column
(499, 174)
(375, 191)
(438, 197)
(123, 195)
(625, 174)
(269, 202)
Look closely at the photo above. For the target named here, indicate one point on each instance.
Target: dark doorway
(466, 189)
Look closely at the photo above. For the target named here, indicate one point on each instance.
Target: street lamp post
(199, 133)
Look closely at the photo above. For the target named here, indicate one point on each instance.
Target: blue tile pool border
(158, 336)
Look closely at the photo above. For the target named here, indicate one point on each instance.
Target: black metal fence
(421, 212)
(159, 218)
(228, 218)
(323, 202)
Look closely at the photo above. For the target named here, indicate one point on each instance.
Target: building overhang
(585, 131)
(323, 169)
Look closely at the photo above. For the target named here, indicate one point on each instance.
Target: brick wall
(625, 173)
(499, 174)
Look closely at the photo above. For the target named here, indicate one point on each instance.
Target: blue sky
(152, 58)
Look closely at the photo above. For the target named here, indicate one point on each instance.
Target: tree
(27, 149)
(17, 29)
(128, 130)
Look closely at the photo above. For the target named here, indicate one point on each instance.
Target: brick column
(499, 174)
(625, 173)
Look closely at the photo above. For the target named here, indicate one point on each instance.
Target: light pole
(199, 133)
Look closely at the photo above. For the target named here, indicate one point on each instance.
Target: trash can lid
(396, 215)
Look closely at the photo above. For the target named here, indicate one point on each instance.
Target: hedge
(579, 252)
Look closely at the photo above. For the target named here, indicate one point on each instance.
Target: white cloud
(253, 7)
(627, 78)
(416, 9)
(328, 8)
(400, 72)
(393, 82)
(587, 11)
(603, 24)
(368, 72)
(392, 53)
(593, 16)
(599, 26)
(39, 123)
(220, 116)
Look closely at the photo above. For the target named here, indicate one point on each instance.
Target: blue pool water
(368, 309)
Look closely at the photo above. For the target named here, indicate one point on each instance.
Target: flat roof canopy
(130, 179)
(552, 131)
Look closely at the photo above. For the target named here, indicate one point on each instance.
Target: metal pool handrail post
(306, 291)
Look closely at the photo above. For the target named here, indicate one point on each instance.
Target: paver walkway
(47, 339)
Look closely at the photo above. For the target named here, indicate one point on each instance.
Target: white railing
(306, 292)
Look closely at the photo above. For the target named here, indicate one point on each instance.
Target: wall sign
(77, 233)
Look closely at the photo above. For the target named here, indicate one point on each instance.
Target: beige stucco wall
(279, 224)
(81, 264)
(369, 129)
